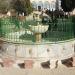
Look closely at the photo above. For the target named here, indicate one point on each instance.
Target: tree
(17, 5)
(3, 6)
(73, 1)
(21, 6)
(67, 5)
(28, 6)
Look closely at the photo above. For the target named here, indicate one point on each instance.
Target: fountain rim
(37, 43)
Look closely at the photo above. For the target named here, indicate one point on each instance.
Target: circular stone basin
(33, 54)
(39, 28)
(59, 50)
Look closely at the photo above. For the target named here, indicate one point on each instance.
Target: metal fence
(14, 30)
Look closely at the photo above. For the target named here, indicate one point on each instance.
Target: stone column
(37, 6)
(38, 37)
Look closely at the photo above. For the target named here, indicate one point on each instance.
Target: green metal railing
(14, 30)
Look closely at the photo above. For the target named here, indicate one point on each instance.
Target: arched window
(47, 5)
(40, 5)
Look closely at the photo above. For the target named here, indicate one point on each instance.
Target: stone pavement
(61, 70)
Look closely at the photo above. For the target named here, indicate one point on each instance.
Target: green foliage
(73, 2)
(67, 5)
(22, 6)
(19, 5)
(3, 6)
(27, 6)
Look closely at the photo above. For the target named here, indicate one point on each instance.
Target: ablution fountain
(34, 53)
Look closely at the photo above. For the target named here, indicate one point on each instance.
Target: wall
(49, 4)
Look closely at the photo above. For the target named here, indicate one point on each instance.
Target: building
(45, 4)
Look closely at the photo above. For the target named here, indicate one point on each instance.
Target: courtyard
(37, 35)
